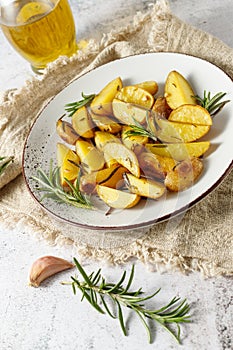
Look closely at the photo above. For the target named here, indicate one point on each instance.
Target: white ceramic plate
(40, 146)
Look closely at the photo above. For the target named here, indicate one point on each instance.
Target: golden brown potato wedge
(167, 164)
(66, 131)
(135, 95)
(191, 114)
(132, 141)
(102, 138)
(116, 198)
(82, 123)
(105, 123)
(102, 103)
(123, 156)
(179, 151)
(68, 161)
(110, 177)
(173, 132)
(91, 158)
(150, 86)
(178, 90)
(144, 187)
(161, 107)
(150, 165)
(183, 175)
(126, 113)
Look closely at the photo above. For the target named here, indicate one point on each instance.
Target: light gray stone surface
(51, 317)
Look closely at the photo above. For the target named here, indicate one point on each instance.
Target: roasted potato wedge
(135, 95)
(110, 177)
(167, 164)
(173, 132)
(178, 91)
(183, 175)
(144, 187)
(105, 123)
(132, 141)
(91, 158)
(102, 138)
(68, 161)
(66, 131)
(82, 123)
(150, 86)
(102, 103)
(123, 156)
(191, 114)
(161, 107)
(116, 198)
(126, 113)
(179, 151)
(150, 165)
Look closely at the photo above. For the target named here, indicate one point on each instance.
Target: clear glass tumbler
(40, 30)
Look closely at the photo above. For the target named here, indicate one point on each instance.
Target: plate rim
(149, 223)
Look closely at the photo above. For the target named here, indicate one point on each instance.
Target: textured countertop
(51, 317)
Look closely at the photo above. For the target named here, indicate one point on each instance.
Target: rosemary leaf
(72, 107)
(174, 312)
(50, 185)
(212, 104)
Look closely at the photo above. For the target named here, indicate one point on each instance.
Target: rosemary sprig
(72, 107)
(213, 104)
(50, 185)
(4, 162)
(138, 130)
(96, 290)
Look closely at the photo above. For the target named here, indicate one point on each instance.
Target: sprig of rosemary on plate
(213, 104)
(72, 107)
(4, 162)
(98, 293)
(50, 185)
(139, 130)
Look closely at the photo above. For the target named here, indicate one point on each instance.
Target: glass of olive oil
(39, 30)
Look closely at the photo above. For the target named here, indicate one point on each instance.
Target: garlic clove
(45, 267)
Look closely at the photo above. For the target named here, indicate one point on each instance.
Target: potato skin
(161, 107)
(183, 175)
(66, 131)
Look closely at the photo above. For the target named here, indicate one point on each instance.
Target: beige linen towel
(201, 240)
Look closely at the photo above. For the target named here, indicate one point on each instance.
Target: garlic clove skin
(45, 267)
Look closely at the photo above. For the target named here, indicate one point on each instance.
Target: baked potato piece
(110, 177)
(191, 114)
(91, 158)
(150, 165)
(82, 123)
(178, 90)
(179, 151)
(122, 155)
(161, 107)
(66, 131)
(105, 123)
(132, 141)
(116, 198)
(102, 103)
(102, 138)
(150, 86)
(126, 113)
(144, 187)
(183, 175)
(173, 132)
(136, 95)
(68, 161)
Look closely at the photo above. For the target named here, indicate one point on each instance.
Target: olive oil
(40, 30)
